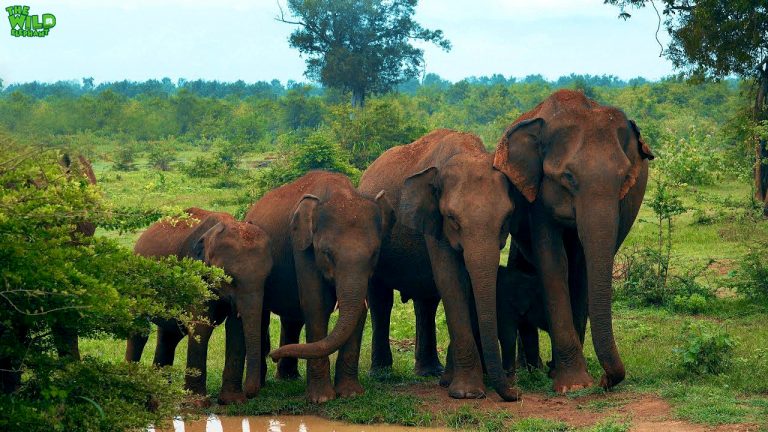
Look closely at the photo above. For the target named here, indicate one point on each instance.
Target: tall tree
(717, 39)
(361, 46)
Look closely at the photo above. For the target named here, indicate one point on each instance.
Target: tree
(717, 39)
(361, 46)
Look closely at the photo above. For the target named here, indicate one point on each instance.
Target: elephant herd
(429, 220)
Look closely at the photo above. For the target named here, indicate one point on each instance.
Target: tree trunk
(358, 98)
(761, 153)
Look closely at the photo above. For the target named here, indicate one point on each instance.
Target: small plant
(161, 157)
(750, 279)
(704, 349)
(125, 159)
(692, 160)
(202, 167)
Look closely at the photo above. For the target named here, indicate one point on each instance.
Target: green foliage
(51, 276)
(316, 151)
(202, 167)
(750, 279)
(92, 395)
(363, 47)
(704, 349)
(125, 158)
(161, 156)
(694, 160)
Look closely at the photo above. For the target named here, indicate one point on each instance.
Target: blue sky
(238, 39)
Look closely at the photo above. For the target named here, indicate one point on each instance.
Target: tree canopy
(361, 46)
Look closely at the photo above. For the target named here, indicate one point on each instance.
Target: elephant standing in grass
(584, 168)
(454, 213)
(243, 251)
(326, 238)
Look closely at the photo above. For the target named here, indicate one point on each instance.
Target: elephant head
(577, 161)
(243, 251)
(336, 241)
(469, 204)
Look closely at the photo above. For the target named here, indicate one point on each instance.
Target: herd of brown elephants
(429, 219)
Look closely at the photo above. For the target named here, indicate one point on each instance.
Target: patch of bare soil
(645, 412)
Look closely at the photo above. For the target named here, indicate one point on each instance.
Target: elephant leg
(570, 366)
(453, 286)
(427, 360)
(135, 347)
(319, 388)
(234, 362)
(447, 377)
(197, 353)
(266, 344)
(347, 382)
(577, 286)
(290, 331)
(529, 344)
(508, 339)
(169, 335)
(380, 300)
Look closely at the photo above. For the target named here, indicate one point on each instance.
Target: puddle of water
(280, 424)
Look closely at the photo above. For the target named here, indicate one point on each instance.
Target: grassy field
(647, 337)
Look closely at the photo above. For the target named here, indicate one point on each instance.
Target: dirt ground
(647, 413)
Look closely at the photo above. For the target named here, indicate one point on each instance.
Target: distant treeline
(275, 88)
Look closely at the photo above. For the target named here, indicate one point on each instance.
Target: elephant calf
(243, 251)
(522, 311)
(326, 238)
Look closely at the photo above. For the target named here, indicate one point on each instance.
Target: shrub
(161, 157)
(125, 158)
(704, 349)
(202, 167)
(750, 279)
(693, 161)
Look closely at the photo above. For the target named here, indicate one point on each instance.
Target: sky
(231, 40)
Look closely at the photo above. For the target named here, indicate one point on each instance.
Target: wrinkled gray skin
(243, 251)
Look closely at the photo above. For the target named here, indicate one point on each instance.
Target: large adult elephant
(326, 238)
(243, 250)
(454, 213)
(583, 167)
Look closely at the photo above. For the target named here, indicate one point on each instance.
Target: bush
(750, 279)
(693, 161)
(125, 158)
(704, 349)
(202, 167)
(161, 157)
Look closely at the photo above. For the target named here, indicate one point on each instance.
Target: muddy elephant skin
(584, 168)
(243, 250)
(454, 213)
(326, 238)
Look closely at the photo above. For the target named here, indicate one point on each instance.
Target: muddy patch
(280, 424)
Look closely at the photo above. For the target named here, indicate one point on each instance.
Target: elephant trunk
(251, 308)
(482, 263)
(598, 229)
(351, 292)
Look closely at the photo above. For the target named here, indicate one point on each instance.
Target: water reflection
(279, 424)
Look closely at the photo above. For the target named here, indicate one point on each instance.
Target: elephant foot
(431, 369)
(320, 392)
(466, 388)
(566, 381)
(610, 379)
(232, 398)
(200, 401)
(446, 378)
(349, 387)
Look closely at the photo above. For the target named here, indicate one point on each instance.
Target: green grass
(646, 337)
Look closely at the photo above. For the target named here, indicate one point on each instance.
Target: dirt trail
(646, 412)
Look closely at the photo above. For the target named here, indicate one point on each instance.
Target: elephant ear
(194, 243)
(387, 213)
(518, 157)
(419, 203)
(302, 222)
(644, 152)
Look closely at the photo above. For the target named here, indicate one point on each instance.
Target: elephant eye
(569, 181)
(327, 254)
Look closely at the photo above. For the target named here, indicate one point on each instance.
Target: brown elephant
(454, 213)
(326, 238)
(521, 313)
(584, 168)
(243, 250)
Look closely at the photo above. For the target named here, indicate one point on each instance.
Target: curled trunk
(351, 297)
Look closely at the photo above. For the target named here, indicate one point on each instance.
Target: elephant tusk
(336, 307)
(365, 302)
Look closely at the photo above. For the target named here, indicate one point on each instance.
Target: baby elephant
(521, 309)
(326, 238)
(243, 251)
